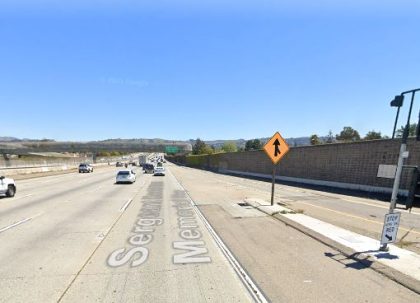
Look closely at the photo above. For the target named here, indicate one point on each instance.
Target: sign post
(273, 183)
(276, 148)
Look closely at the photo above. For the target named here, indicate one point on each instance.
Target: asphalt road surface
(82, 238)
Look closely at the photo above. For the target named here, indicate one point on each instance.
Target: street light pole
(401, 157)
(403, 154)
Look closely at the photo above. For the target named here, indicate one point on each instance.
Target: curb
(370, 262)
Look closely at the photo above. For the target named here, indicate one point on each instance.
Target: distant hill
(299, 141)
(13, 139)
(9, 139)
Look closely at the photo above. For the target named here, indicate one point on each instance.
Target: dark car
(148, 168)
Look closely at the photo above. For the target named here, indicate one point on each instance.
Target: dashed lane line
(19, 223)
(124, 207)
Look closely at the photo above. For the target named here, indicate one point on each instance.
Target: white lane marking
(124, 207)
(247, 281)
(18, 223)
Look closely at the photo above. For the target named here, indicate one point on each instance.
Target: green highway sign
(171, 149)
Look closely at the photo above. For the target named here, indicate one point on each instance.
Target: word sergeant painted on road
(148, 220)
(192, 244)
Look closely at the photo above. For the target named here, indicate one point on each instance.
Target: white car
(126, 176)
(7, 186)
(159, 171)
(85, 168)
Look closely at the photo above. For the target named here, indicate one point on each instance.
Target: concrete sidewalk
(401, 265)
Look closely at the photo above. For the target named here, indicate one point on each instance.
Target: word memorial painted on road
(276, 148)
(191, 246)
(391, 224)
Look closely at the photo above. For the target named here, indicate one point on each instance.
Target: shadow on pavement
(352, 261)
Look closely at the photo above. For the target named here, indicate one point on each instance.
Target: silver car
(159, 171)
(126, 176)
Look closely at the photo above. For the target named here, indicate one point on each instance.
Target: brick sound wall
(354, 163)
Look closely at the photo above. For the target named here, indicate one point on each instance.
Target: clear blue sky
(188, 69)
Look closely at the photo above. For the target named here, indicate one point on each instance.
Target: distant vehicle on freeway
(85, 168)
(148, 168)
(126, 176)
(142, 159)
(7, 186)
(119, 164)
(159, 171)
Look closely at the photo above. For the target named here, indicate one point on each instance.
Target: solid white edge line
(247, 281)
(18, 223)
(124, 207)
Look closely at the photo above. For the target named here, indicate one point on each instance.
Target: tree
(201, 148)
(330, 137)
(315, 140)
(411, 131)
(207, 150)
(115, 154)
(348, 134)
(215, 148)
(229, 147)
(198, 147)
(373, 135)
(248, 145)
(103, 154)
(253, 145)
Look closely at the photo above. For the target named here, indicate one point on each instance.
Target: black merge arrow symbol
(276, 148)
(388, 237)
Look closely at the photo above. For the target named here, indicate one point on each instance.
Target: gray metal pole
(400, 164)
(273, 185)
(395, 124)
(397, 179)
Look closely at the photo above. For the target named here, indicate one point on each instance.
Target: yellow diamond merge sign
(276, 148)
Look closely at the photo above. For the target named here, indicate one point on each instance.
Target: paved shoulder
(288, 265)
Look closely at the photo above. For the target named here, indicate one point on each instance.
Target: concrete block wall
(354, 163)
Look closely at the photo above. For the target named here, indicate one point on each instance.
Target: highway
(82, 238)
